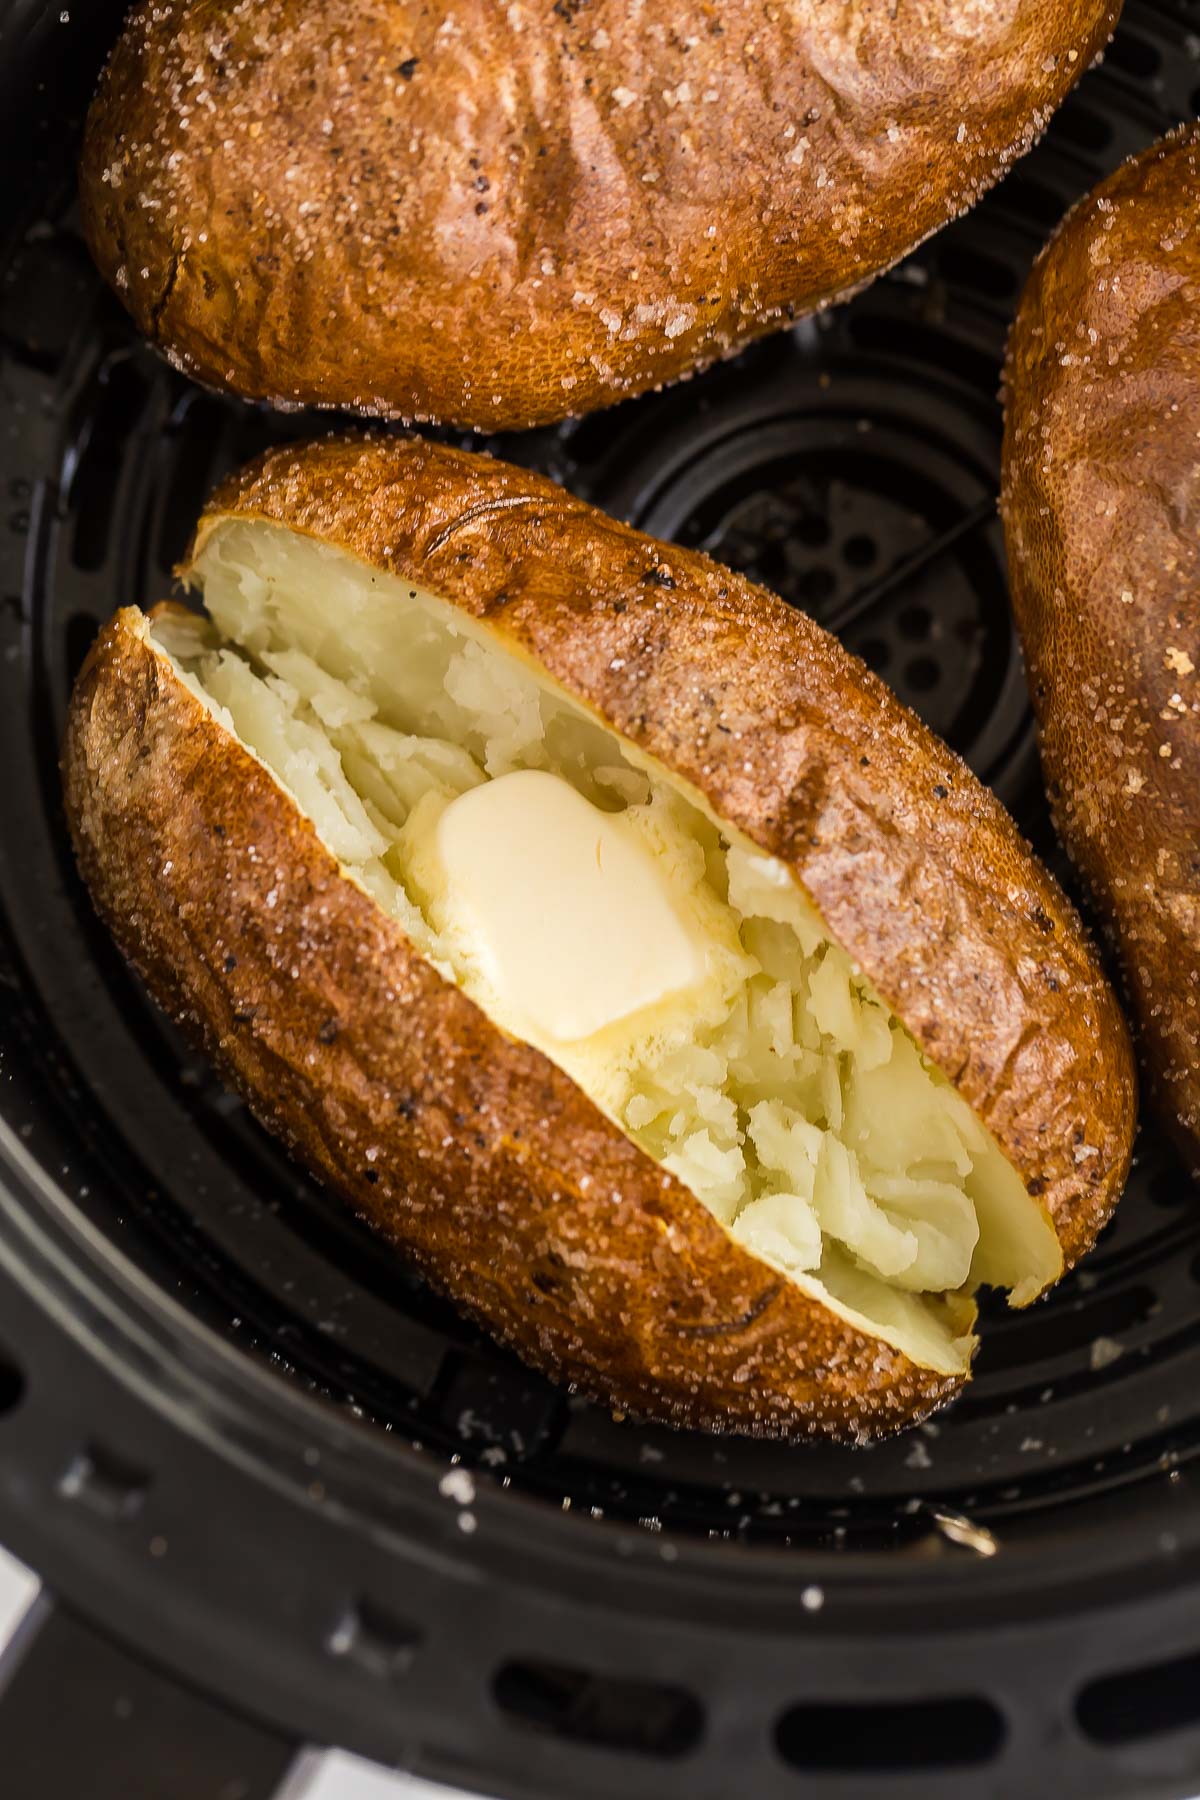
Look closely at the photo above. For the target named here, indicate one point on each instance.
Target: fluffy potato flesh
(701, 1002)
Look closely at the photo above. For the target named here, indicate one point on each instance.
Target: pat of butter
(566, 910)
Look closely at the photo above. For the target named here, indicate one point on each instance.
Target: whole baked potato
(606, 934)
(503, 214)
(1102, 512)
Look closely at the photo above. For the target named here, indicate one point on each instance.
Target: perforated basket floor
(1005, 1596)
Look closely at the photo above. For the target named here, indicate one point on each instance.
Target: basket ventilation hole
(923, 674)
(105, 1484)
(1088, 130)
(1033, 201)
(975, 269)
(120, 400)
(925, 1734)
(860, 551)
(915, 623)
(1136, 55)
(190, 479)
(12, 1383)
(1167, 1190)
(374, 1641)
(641, 1716)
(78, 639)
(1141, 1703)
(901, 335)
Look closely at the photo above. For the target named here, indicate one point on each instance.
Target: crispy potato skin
(528, 211)
(1102, 512)
(490, 1167)
(477, 1155)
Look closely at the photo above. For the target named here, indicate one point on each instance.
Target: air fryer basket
(227, 1412)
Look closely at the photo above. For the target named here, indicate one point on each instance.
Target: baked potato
(1102, 512)
(605, 934)
(503, 215)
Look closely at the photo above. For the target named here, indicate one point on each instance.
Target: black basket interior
(851, 465)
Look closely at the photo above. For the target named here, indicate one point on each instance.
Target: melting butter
(566, 909)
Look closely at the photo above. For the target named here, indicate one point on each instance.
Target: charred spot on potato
(730, 1327)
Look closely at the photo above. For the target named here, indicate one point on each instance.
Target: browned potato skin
(1102, 510)
(492, 1169)
(538, 211)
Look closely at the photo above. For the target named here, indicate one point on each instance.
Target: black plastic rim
(227, 1413)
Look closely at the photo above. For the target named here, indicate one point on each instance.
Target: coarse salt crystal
(458, 1485)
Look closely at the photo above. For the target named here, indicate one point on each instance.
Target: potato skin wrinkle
(503, 215)
(481, 1158)
(1102, 513)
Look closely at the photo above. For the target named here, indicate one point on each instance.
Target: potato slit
(777, 1086)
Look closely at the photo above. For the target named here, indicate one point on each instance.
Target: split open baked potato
(1102, 512)
(604, 933)
(500, 215)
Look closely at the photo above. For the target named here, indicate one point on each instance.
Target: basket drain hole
(924, 1734)
(375, 1641)
(107, 1485)
(1141, 1703)
(120, 399)
(642, 1716)
(12, 1383)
